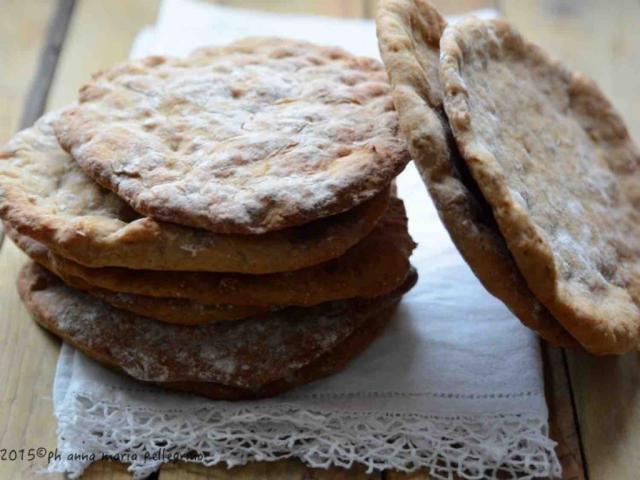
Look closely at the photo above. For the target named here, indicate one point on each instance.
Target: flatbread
(247, 354)
(261, 135)
(408, 34)
(177, 310)
(171, 310)
(374, 267)
(556, 163)
(328, 364)
(44, 194)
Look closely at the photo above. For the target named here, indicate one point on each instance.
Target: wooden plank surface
(28, 357)
(100, 36)
(563, 426)
(38, 93)
(26, 418)
(607, 393)
(23, 27)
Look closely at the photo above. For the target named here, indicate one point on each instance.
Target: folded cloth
(455, 383)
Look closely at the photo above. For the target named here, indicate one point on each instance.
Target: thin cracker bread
(352, 275)
(257, 136)
(556, 163)
(44, 194)
(178, 311)
(408, 34)
(247, 354)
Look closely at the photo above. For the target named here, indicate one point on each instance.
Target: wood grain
(100, 36)
(607, 393)
(562, 420)
(107, 470)
(23, 28)
(419, 475)
(27, 354)
(39, 91)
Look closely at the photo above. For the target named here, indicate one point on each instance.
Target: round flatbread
(355, 274)
(557, 165)
(248, 354)
(409, 34)
(177, 310)
(171, 310)
(261, 135)
(44, 194)
(327, 364)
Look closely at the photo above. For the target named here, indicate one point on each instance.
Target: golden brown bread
(247, 358)
(375, 266)
(409, 34)
(44, 194)
(257, 136)
(557, 165)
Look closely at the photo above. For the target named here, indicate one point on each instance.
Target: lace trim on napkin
(511, 446)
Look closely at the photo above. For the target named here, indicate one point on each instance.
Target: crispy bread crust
(556, 163)
(409, 34)
(44, 194)
(261, 135)
(247, 355)
(352, 275)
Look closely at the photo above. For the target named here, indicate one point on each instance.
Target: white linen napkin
(455, 383)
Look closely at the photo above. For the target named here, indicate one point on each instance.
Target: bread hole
(237, 92)
(373, 89)
(155, 60)
(350, 80)
(192, 148)
(175, 142)
(343, 151)
(315, 60)
(282, 53)
(607, 270)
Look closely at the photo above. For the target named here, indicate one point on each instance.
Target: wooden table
(48, 49)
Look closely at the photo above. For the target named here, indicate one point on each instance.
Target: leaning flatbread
(562, 176)
(409, 33)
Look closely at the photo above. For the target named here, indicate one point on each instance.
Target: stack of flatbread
(226, 223)
(223, 224)
(533, 172)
